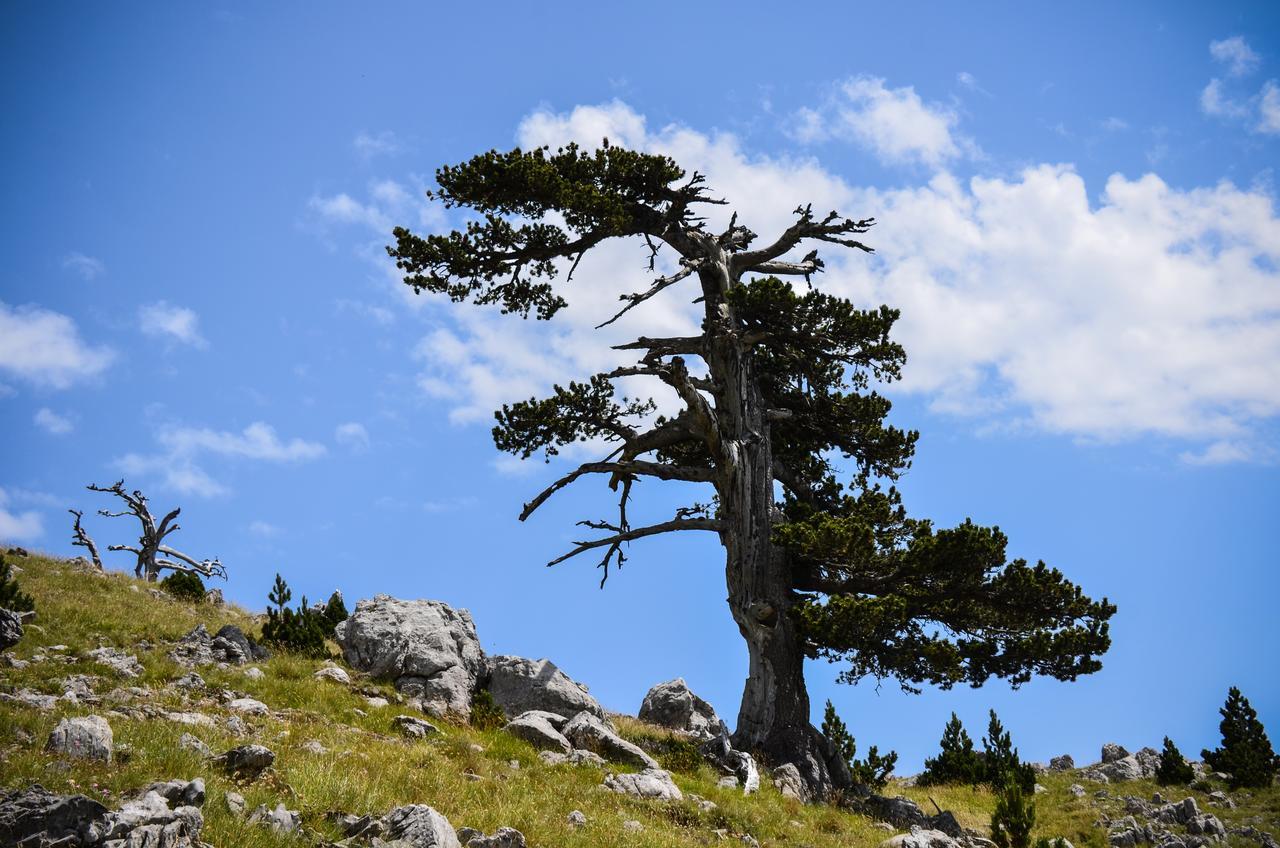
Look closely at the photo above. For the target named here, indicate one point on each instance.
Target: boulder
(187, 742)
(88, 737)
(414, 728)
(919, 837)
(576, 757)
(519, 685)
(248, 706)
(126, 665)
(230, 645)
(332, 672)
(1112, 752)
(38, 815)
(420, 826)
(281, 820)
(427, 648)
(577, 819)
(1148, 760)
(674, 706)
(787, 780)
(588, 731)
(10, 629)
(1063, 763)
(149, 822)
(254, 673)
(652, 783)
(503, 837)
(179, 793)
(535, 728)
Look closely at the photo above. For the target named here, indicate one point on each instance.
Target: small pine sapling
(1173, 769)
(301, 631)
(1000, 759)
(335, 612)
(184, 585)
(485, 713)
(1246, 752)
(874, 771)
(1014, 816)
(957, 762)
(11, 595)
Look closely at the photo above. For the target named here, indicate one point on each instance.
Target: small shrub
(184, 586)
(1246, 752)
(1173, 769)
(679, 754)
(1000, 760)
(300, 631)
(1014, 816)
(11, 595)
(485, 714)
(874, 771)
(957, 762)
(335, 612)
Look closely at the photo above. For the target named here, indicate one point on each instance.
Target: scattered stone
(236, 725)
(719, 752)
(192, 743)
(1063, 763)
(377, 701)
(254, 673)
(632, 826)
(1221, 799)
(126, 665)
(190, 680)
(576, 757)
(313, 746)
(88, 737)
(229, 645)
(332, 672)
(1077, 790)
(27, 698)
(1112, 752)
(429, 649)
(420, 826)
(652, 783)
(415, 728)
(214, 597)
(1266, 840)
(534, 728)
(519, 685)
(280, 820)
(577, 819)
(248, 706)
(234, 802)
(180, 793)
(588, 731)
(192, 719)
(10, 629)
(674, 706)
(18, 552)
(503, 837)
(247, 761)
(36, 816)
(1207, 825)
(149, 821)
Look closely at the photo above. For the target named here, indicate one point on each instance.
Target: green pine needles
(1173, 769)
(874, 771)
(185, 586)
(304, 630)
(957, 762)
(1014, 816)
(11, 595)
(1246, 752)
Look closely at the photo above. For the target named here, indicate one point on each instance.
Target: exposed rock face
(88, 737)
(429, 649)
(29, 813)
(281, 820)
(10, 629)
(228, 645)
(1149, 760)
(519, 685)
(179, 793)
(588, 731)
(651, 783)
(1121, 769)
(673, 705)
(1063, 763)
(1112, 752)
(420, 826)
(149, 821)
(37, 817)
(576, 757)
(534, 728)
(788, 781)
(503, 837)
(720, 752)
(123, 664)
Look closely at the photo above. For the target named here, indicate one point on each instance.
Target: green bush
(185, 586)
(300, 631)
(874, 771)
(1014, 816)
(485, 714)
(335, 611)
(11, 596)
(1246, 752)
(1173, 769)
(957, 762)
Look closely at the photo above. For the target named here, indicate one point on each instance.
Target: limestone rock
(234, 802)
(121, 663)
(10, 629)
(1148, 760)
(1112, 752)
(179, 793)
(1077, 790)
(674, 706)
(503, 837)
(27, 698)
(254, 673)
(88, 737)
(632, 826)
(588, 731)
(332, 672)
(420, 826)
(248, 706)
(519, 685)
(576, 757)
(534, 728)
(429, 650)
(719, 752)
(35, 812)
(415, 728)
(919, 837)
(1063, 763)
(788, 781)
(247, 760)
(577, 818)
(280, 820)
(192, 743)
(653, 783)
(190, 680)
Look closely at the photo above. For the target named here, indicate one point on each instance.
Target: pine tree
(335, 611)
(957, 762)
(301, 631)
(1000, 763)
(1173, 769)
(1014, 816)
(874, 771)
(1246, 752)
(280, 593)
(11, 595)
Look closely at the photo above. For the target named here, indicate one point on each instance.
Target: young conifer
(957, 762)
(1173, 769)
(874, 771)
(1000, 759)
(1246, 752)
(11, 596)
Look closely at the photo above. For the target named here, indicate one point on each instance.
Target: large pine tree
(776, 390)
(1246, 753)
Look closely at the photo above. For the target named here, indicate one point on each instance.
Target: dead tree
(84, 540)
(151, 544)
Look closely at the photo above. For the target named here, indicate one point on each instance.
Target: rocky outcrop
(589, 732)
(88, 737)
(10, 629)
(1063, 763)
(228, 645)
(919, 837)
(34, 816)
(652, 783)
(126, 665)
(420, 826)
(427, 648)
(673, 705)
(539, 731)
(414, 728)
(246, 761)
(503, 837)
(519, 685)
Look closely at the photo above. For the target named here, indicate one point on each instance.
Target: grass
(477, 778)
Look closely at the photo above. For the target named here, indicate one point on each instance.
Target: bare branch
(832, 228)
(614, 542)
(667, 346)
(634, 300)
(659, 470)
(84, 540)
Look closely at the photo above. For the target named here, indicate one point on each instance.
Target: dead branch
(151, 542)
(634, 300)
(659, 470)
(84, 540)
(614, 542)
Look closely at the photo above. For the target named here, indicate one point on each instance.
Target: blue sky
(1077, 218)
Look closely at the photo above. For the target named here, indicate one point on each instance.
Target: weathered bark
(151, 542)
(84, 540)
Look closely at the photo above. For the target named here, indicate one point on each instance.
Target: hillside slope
(338, 750)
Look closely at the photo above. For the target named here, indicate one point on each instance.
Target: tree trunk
(773, 720)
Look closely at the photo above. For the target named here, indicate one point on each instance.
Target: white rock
(588, 731)
(535, 729)
(88, 737)
(652, 783)
(519, 685)
(254, 673)
(337, 675)
(674, 706)
(248, 706)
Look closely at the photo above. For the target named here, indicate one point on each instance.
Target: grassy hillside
(480, 779)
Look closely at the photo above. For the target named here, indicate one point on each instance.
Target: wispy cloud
(53, 423)
(1269, 109)
(352, 435)
(87, 267)
(1235, 54)
(1214, 101)
(172, 323)
(44, 347)
(263, 530)
(18, 526)
(369, 145)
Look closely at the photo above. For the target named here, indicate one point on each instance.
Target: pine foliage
(1173, 769)
(1014, 816)
(1001, 764)
(957, 762)
(300, 631)
(1246, 752)
(11, 595)
(185, 586)
(873, 771)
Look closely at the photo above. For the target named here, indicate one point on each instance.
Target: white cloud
(53, 423)
(377, 314)
(1235, 54)
(87, 267)
(893, 123)
(368, 145)
(969, 81)
(178, 467)
(263, 530)
(1214, 102)
(390, 204)
(1229, 453)
(18, 526)
(353, 435)
(173, 323)
(1114, 124)
(44, 347)
(1269, 109)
